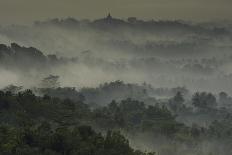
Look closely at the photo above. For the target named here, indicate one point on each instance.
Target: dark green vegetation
(44, 125)
(47, 125)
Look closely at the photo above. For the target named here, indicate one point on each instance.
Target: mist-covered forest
(116, 87)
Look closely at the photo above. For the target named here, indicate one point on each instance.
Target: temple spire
(109, 16)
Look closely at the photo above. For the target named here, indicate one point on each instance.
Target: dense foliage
(33, 124)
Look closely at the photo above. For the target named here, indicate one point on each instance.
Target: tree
(223, 98)
(177, 102)
(204, 100)
(116, 144)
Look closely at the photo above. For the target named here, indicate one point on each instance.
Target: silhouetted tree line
(46, 125)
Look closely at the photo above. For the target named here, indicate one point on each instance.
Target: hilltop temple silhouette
(109, 17)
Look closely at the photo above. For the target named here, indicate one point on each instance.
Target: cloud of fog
(8, 77)
(169, 54)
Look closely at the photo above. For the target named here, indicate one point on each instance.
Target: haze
(27, 11)
(153, 75)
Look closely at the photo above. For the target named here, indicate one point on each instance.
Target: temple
(108, 21)
(109, 17)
